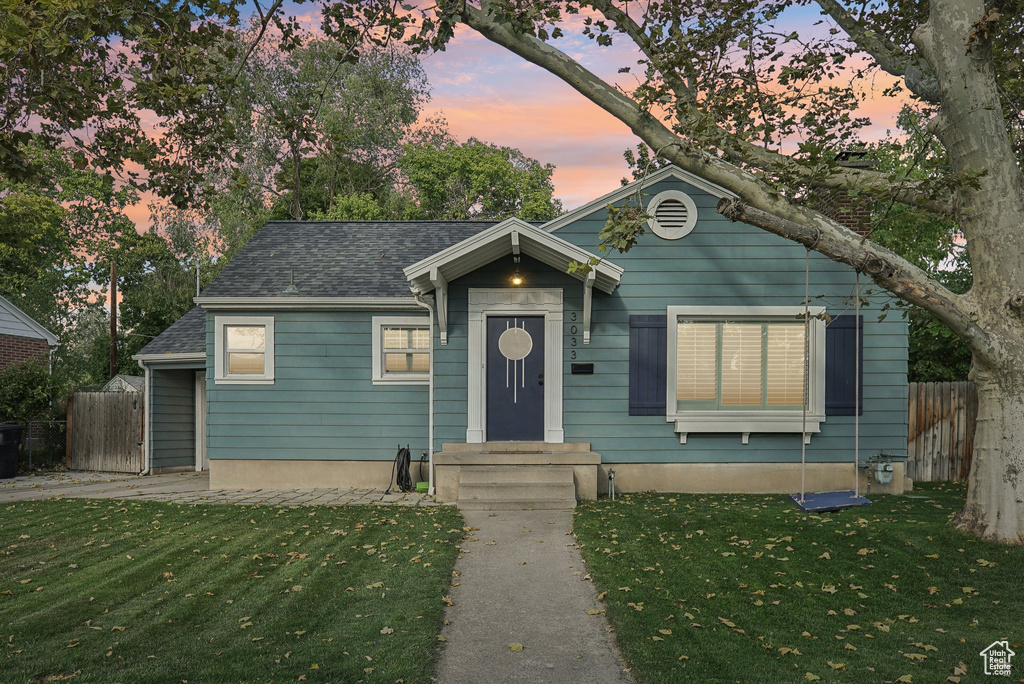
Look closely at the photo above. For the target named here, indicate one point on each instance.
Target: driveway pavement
(187, 488)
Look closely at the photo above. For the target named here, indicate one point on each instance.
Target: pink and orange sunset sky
(486, 92)
(489, 93)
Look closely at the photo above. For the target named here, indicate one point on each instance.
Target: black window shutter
(841, 366)
(647, 373)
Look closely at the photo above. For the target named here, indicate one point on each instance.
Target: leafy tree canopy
(478, 180)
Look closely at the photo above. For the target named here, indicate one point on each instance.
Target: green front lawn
(748, 588)
(109, 591)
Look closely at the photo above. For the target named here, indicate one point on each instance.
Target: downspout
(430, 399)
(145, 419)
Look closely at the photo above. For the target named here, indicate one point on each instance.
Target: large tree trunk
(995, 493)
(972, 129)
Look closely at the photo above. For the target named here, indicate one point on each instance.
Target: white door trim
(484, 302)
(200, 422)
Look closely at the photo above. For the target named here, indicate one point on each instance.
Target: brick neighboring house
(21, 338)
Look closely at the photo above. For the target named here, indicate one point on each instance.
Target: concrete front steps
(503, 488)
(516, 475)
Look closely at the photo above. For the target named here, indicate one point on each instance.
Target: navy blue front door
(515, 378)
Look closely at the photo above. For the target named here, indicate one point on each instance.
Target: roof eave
(623, 192)
(307, 303)
(50, 338)
(474, 252)
(169, 357)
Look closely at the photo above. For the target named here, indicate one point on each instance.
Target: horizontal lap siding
(12, 325)
(173, 423)
(725, 264)
(323, 404)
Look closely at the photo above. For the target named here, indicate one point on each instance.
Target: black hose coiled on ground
(400, 474)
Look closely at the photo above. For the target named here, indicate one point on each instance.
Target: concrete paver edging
(187, 488)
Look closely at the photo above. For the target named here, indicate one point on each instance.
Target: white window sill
(243, 381)
(402, 380)
(745, 422)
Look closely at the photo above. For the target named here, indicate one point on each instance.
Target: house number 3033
(573, 331)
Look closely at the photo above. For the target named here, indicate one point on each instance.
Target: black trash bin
(10, 440)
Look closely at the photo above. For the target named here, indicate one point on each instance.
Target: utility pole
(113, 318)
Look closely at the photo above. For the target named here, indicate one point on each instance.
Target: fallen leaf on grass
(387, 630)
(811, 677)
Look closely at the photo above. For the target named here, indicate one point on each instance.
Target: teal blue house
(685, 364)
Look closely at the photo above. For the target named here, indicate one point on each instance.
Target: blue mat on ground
(829, 501)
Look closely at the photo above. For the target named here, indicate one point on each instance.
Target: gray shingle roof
(119, 381)
(329, 259)
(338, 259)
(187, 335)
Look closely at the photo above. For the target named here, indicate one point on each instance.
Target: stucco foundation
(747, 478)
(590, 475)
(306, 474)
(166, 470)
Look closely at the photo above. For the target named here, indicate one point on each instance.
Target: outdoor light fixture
(516, 279)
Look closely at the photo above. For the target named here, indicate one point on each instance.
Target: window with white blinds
(785, 365)
(243, 350)
(401, 350)
(406, 350)
(739, 365)
(695, 362)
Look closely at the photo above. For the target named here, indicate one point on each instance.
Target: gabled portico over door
(542, 308)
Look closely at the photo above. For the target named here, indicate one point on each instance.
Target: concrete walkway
(187, 488)
(521, 581)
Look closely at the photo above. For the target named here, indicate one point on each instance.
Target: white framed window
(741, 369)
(401, 350)
(244, 350)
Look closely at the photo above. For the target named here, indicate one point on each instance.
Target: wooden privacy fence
(941, 418)
(105, 432)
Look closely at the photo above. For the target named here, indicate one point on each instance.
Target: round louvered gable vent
(672, 215)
